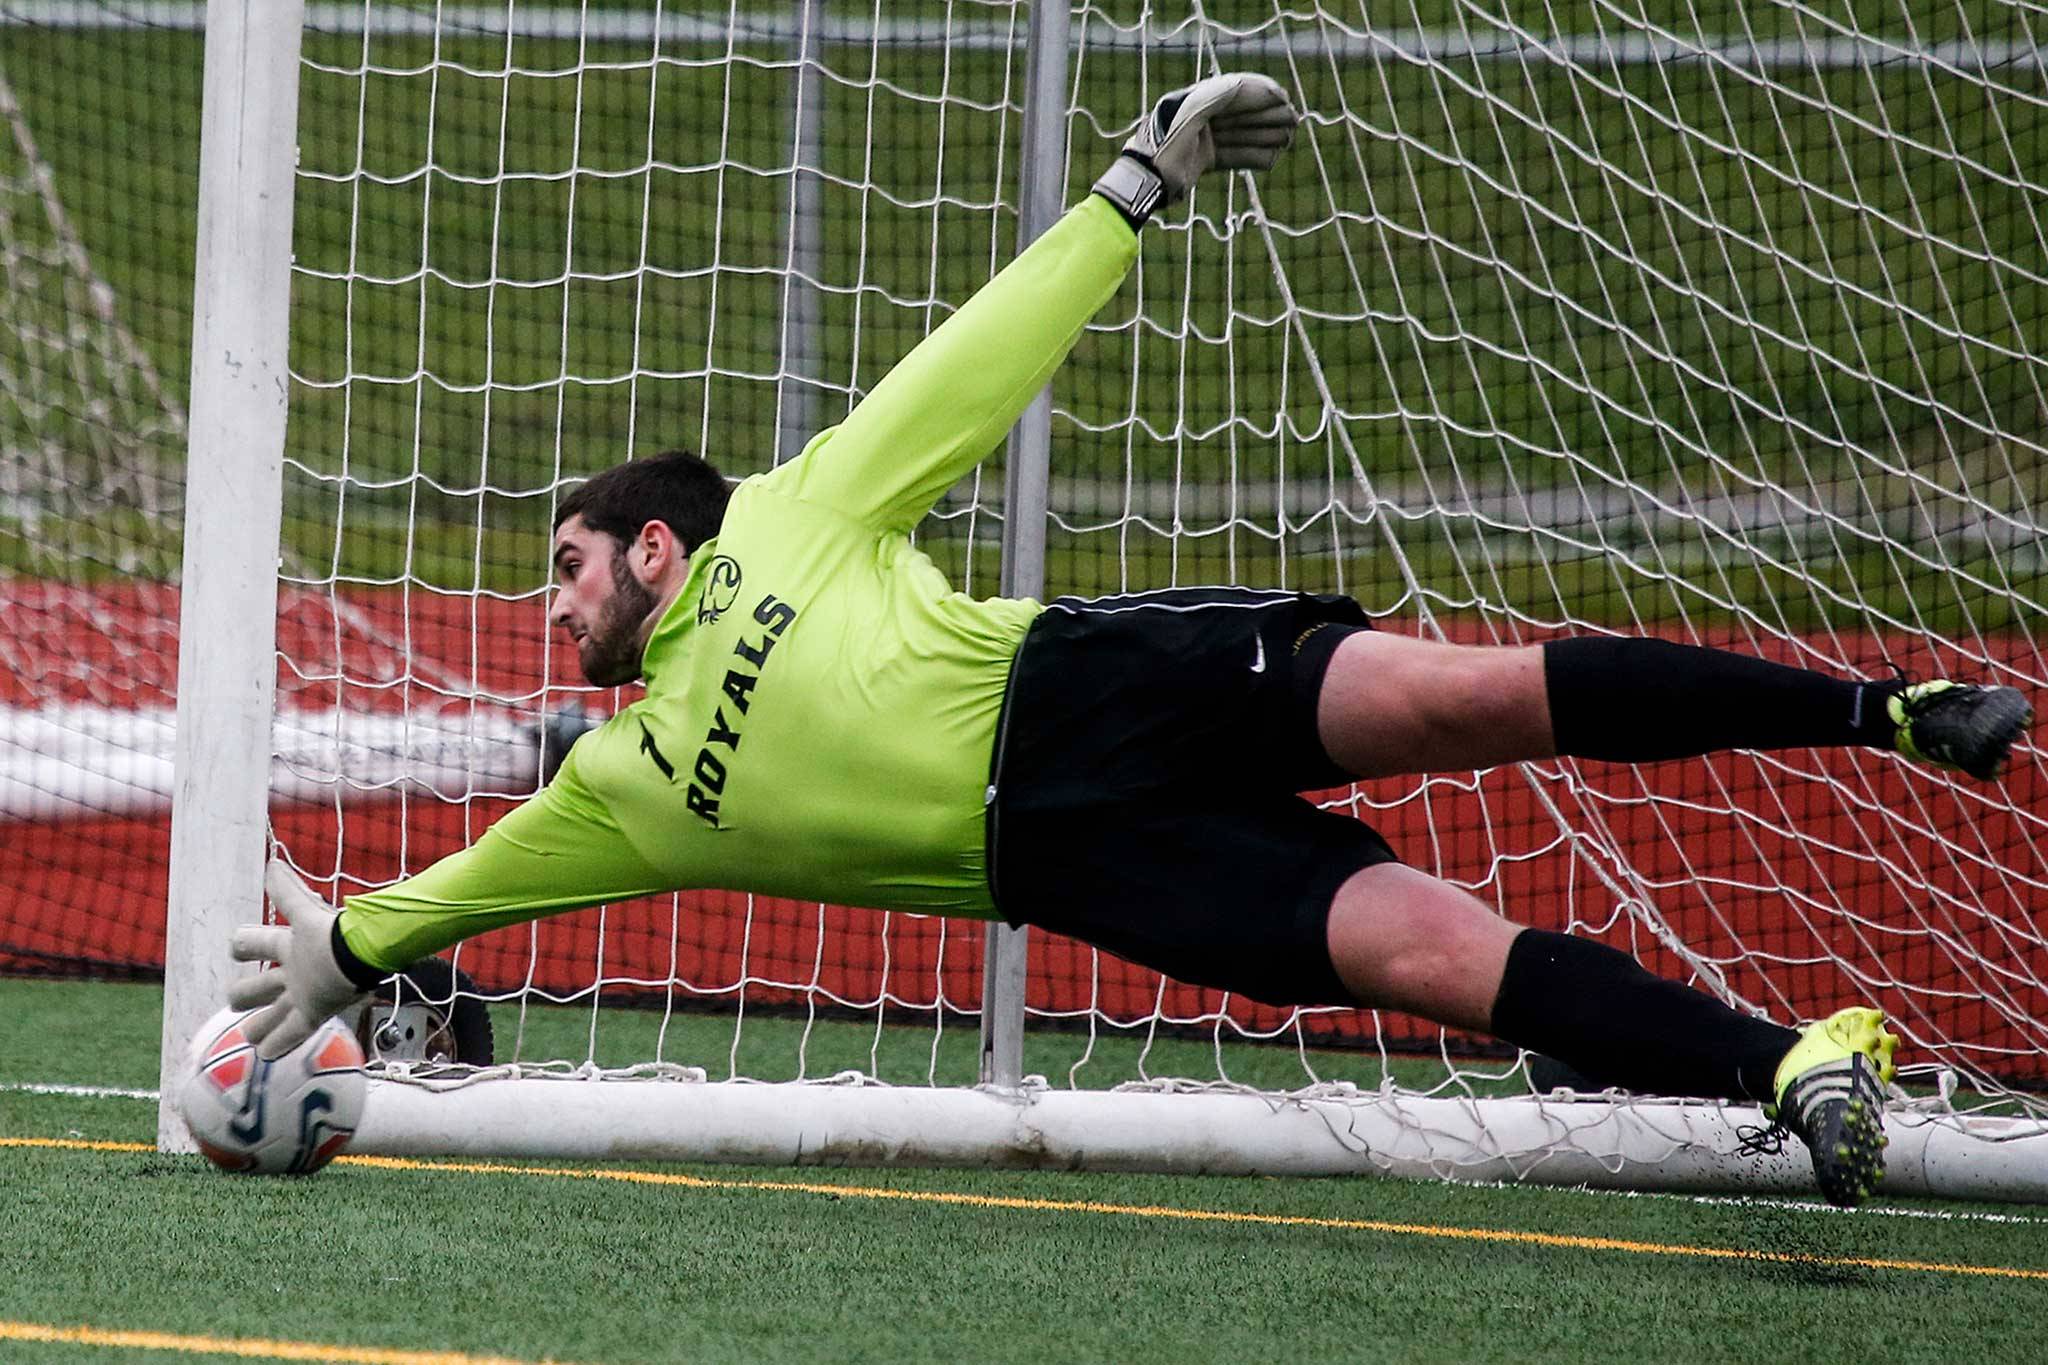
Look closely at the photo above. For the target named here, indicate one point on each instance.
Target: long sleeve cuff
(360, 973)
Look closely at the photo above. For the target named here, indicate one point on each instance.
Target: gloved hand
(1241, 122)
(307, 986)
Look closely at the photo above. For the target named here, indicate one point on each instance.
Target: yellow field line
(989, 1201)
(256, 1348)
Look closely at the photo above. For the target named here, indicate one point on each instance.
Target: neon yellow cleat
(1830, 1091)
(1959, 725)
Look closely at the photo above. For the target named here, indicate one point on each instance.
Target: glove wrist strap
(1134, 187)
(360, 974)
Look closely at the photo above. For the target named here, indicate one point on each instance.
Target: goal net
(94, 312)
(1723, 329)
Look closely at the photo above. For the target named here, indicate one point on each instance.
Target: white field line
(1791, 1205)
(780, 28)
(87, 1092)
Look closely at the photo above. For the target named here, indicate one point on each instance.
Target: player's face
(599, 603)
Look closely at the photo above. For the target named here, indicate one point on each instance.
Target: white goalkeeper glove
(1240, 122)
(307, 986)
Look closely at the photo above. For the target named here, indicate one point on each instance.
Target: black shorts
(1145, 778)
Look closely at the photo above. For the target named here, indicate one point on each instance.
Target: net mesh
(1720, 325)
(95, 302)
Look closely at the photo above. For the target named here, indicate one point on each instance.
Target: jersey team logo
(721, 588)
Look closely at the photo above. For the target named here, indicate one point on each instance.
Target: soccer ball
(287, 1117)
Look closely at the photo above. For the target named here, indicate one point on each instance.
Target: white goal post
(234, 480)
(1621, 327)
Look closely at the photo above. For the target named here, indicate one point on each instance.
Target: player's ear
(657, 553)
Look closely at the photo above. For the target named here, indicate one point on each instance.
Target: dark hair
(674, 486)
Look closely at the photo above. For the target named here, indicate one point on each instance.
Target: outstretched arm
(945, 405)
(560, 851)
(942, 409)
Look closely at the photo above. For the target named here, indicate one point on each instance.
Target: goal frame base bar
(1657, 1145)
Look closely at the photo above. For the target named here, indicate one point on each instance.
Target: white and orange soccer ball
(287, 1117)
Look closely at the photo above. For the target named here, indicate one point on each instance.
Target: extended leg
(1400, 939)
(1391, 704)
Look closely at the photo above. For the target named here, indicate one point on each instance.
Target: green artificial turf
(740, 1264)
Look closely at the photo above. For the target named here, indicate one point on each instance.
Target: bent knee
(1402, 939)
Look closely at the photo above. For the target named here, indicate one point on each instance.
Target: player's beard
(610, 653)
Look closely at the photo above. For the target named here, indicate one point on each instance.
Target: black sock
(1600, 1013)
(1637, 701)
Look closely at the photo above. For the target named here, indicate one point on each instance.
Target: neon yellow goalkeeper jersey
(821, 704)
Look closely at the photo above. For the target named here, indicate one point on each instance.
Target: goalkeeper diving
(827, 719)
